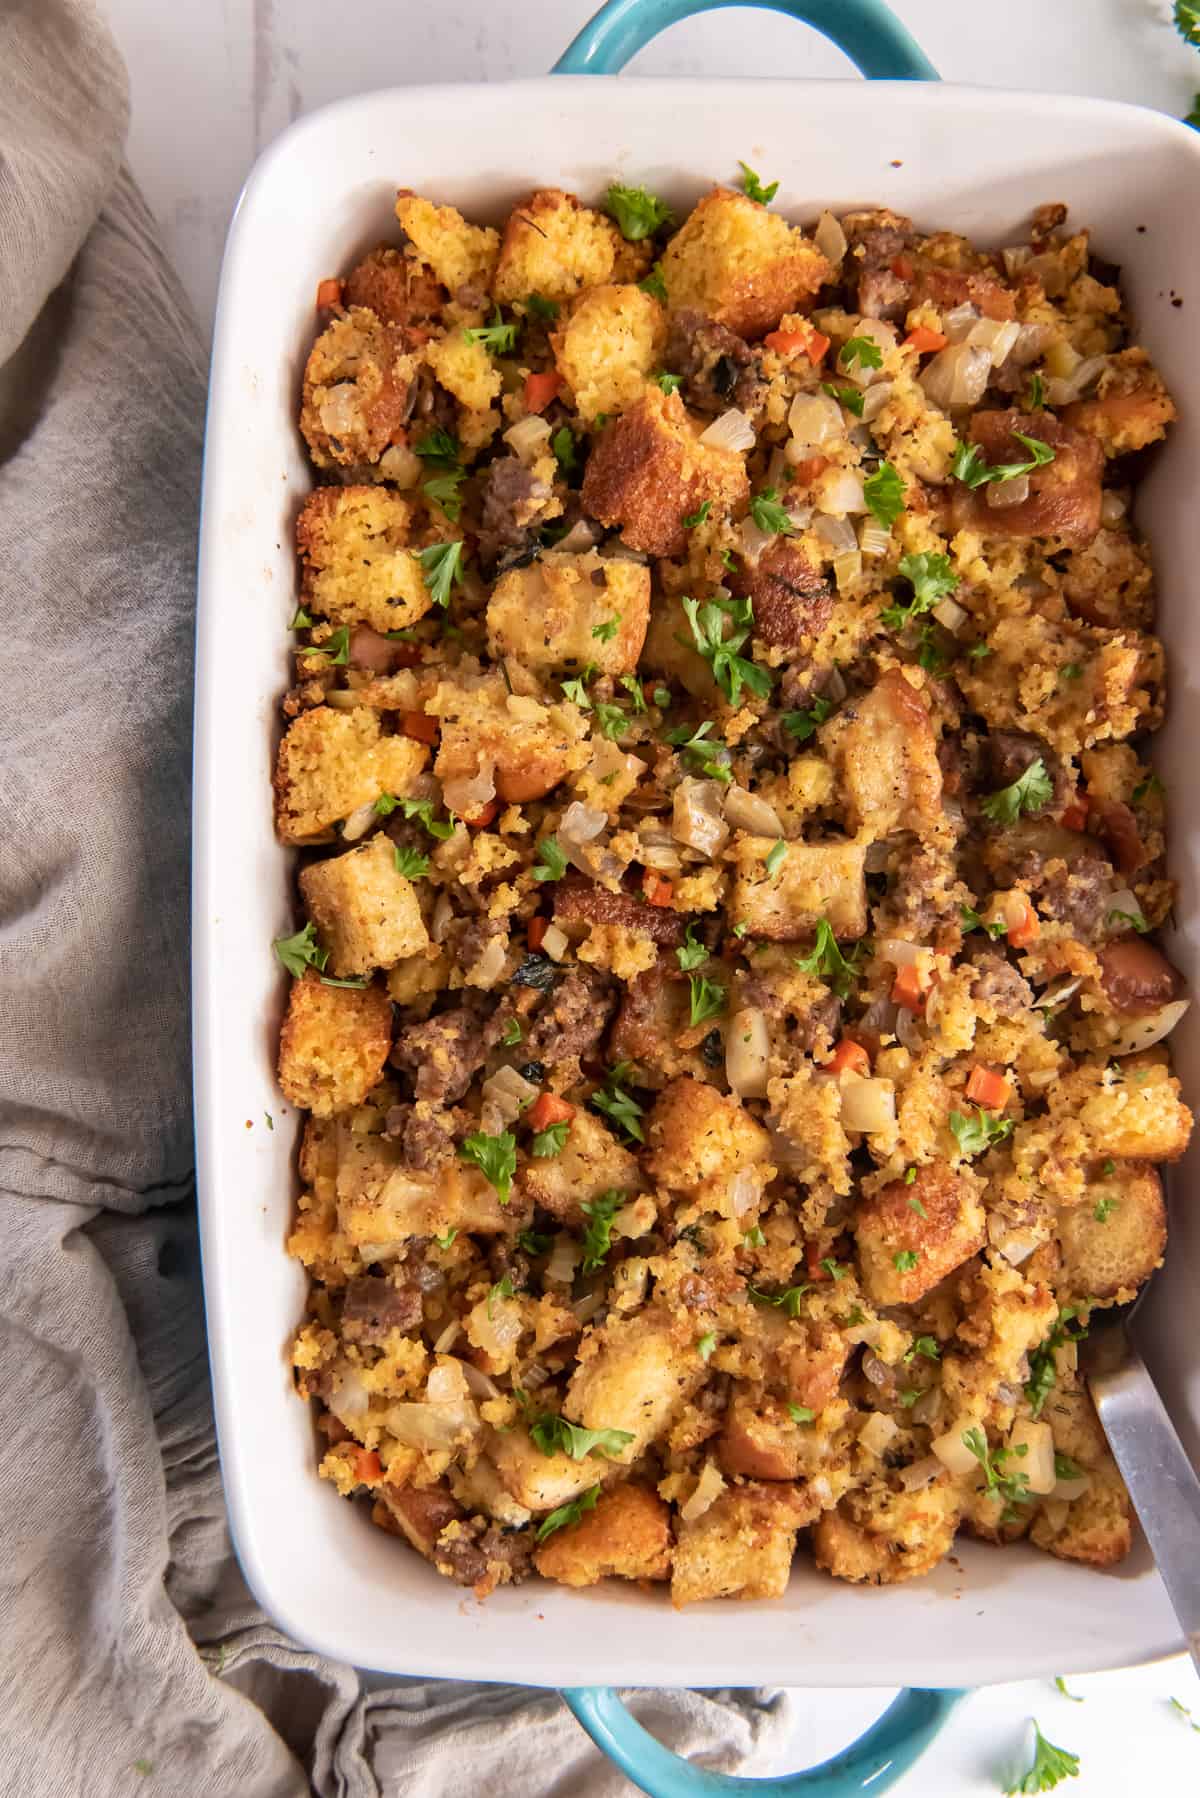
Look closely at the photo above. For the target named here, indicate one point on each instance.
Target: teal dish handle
(872, 38)
(871, 1765)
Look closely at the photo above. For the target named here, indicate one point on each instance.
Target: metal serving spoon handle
(1155, 1468)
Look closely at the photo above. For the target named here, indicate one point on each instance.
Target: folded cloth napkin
(130, 1647)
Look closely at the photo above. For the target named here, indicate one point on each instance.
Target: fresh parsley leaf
(1187, 22)
(1104, 1209)
(441, 565)
(541, 308)
(1050, 1767)
(769, 515)
(335, 649)
(910, 1178)
(706, 1344)
(534, 1243)
(909, 1397)
(975, 1134)
(914, 1204)
(826, 961)
(1109, 1168)
(574, 689)
(612, 720)
(654, 284)
(884, 494)
(924, 1345)
(1042, 1369)
(861, 350)
(753, 188)
(662, 698)
(386, 804)
(1035, 400)
(511, 1033)
(788, 1300)
(568, 1513)
(697, 517)
(563, 445)
(597, 1235)
(502, 1289)
(300, 620)
(441, 828)
(633, 687)
(443, 490)
(301, 951)
(837, 1270)
(638, 214)
(729, 560)
(495, 336)
(551, 863)
(973, 469)
(754, 1238)
(852, 398)
(905, 1260)
(776, 855)
(616, 1103)
(496, 1158)
(706, 753)
(971, 920)
(801, 725)
(1070, 671)
(607, 630)
(328, 980)
(1028, 793)
(551, 1141)
(668, 382)
(801, 1413)
(555, 1435)
(1013, 1488)
(707, 998)
(977, 651)
(444, 1242)
(690, 953)
(410, 862)
(1060, 1685)
(438, 448)
(709, 619)
(1144, 788)
(1134, 919)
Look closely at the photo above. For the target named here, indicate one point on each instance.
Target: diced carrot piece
(1023, 924)
(483, 817)
(907, 990)
(809, 469)
(549, 1109)
(1075, 813)
(541, 389)
(329, 293)
(420, 726)
(850, 1055)
(902, 267)
(657, 888)
(786, 342)
(535, 935)
(989, 1089)
(818, 343)
(367, 1465)
(922, 339)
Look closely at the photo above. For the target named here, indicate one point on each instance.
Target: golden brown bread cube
(886, 757)
(700, 1139)
(529, 746)
(1064, 494)
(760, 1440)
(592, 1162)
(740, 264)
(609, 346)
(356, 390)
(1114, 1239)
(649, 471)
(1132, 407)
(634, 1374)
(467, 369)
(537, 1481)
(741, 1547)
(814, 881)
(366, 912)
(382, 1204)
(333, 1044)
(330, 762)
(903, 1252)
(546, 615)
(626, 1536)
(460, 255)
(554, 246)
(398, 288)
(1131, 1111)
(885, 1537)
(355, 566)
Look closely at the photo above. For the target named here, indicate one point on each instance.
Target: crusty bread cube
(460, 255)
(546, 615)
(886, 1537)
(330, 763)
(760, 1440)
(333, 1044)
(537, 1481)
(626, 1536)
(634, 1374)
(382, 1205)
(397, 287)
(1133, 1111)
(699, 1139)
(948, 1230)
(1132, 407)
(355, 566)
(1114, 1239)
(356, 390)
(1064, 494)
(813, 881)
(530, 746)
(366, 912)
(886, 757)
(609, 346)
(649, 471)
(555, 247)
(670, 650)
(592, 1162)
(740, 264)
(741, 1546)
(466, 369)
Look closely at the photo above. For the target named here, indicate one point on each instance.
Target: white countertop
(213, 84)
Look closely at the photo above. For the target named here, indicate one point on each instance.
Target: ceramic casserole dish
(960, 158)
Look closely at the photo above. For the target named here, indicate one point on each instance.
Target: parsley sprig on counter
(1050, 1767)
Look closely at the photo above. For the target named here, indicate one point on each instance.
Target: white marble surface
(215, 80)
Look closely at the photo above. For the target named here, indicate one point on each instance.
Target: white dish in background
(954, 157)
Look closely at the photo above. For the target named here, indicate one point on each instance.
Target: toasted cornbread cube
(740, 264)
(382, 1204)
(465, 369)
(950, 1228)
(537, 1481)
(626, 1536)
(1006, 1316)
(365, 910)
(555, 247)
(699, 1139)
(886, 757)
(355, 568)
(649, 471)
(333, 1044)
(1133, 1111)
(741, 1547)
(1113, 1241)
(546, 615)
(609, 346)
(530, 746)
(397, 287)
(1097, 1527)
(886, 1537)
(813, 881)
(460, 255)
(1132, 407)
(356, 390)
(592, 1162)
(332, 762)
(634, 1374)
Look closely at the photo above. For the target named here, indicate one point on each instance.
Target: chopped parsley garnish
(884, 494)
(827, 963)
(861, 350)
(438, 448)
(1070, 671)
(852, 398)
(1109, 1168)
(932, 578)
(708, 619)
(556, 1435)
(914, 1204)
(690, 953)
(612, 720)
(801, 725)
(551, 863)
(910, 1176)
(706, 1344)
(924, 1345)
(654, 284)
(697, 517)
(769, 515)
(1177, 1704)
(909, 1397)
(668, 382)
(1042, 1369)
(503, 1289)
(776, 855)
(511, 1033)
(1028, 793)
(301, 951)
(1144, 788)
(441, 565)
(905, 1260)
(422, 809)
(633, 687)
(754, 1238)
(597, 1235)
(1065, 1468)
(551, 1141)
(975, 1134)
(616, 1103)
(568, 1513)
(977, 651)
(1104, 1210)
(1050, 1766)
(495, 336)
(300, 620)
(444, 1242)
(973, 469)
(801, 1413)
(1187, 24)
(563, 445)
(574, 689)
(411, 863)
(971, 920)
(753, 188)
(1013, 1488)
(788, 1300)
(1060, 1685)
(541, 308)
(837, 1270)
(704, 751)
(533, 1242)
(386, 804)
(335, 649)
(1134, 919)
(607, 630)
(638, 214)
(495, 1157)
(707, 998)
(1035, 400)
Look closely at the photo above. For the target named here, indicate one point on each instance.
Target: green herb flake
(551, 1141)
(612, 720)
(533, 1242)
(788, 1300)
(706, 1344)
(1042, 1370)
(826, 961)
(503, 1289)
(775, 857)
(709, 620)
(931, 577)
(495, 1157)
(1134, 919)
(445, 1241)
(905, 1260)
(443, 489)
(301, 951)
(707, 998)
(924, 1345)
(1050, 1767)
(971, 920)
(551, 862)
(668, 382)
(300, 620)
(1060, 1685)
(568, 1513)
(654, 284)
(422, 810)
(438, 448)
(554, 1435)
(975, 1134)
(616, 1103)
(1182, 1710)
(607, 630)
(335, 649)
(638, 214)
(441, 565)
(914, 1204)
(540, 307)
(884, 494)
(753, 188)
(970, 466)
(597, 1235)
(707, 754)
(495, 336)
(1035, 399)
(691, 954)
(769, 515)
(801, 1413)
(853, 398)
(863, 351)
(801, 725)
(563, 445)
(699, 516)
(754, 1238)
(410, 862)
(1030, 792)
(574, 690)
(1146, 787)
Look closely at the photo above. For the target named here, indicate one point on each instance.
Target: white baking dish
(964, 158)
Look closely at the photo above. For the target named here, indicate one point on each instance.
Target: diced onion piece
(1059, 993)
(1002, 494)
(949, 613)
(883, 336)
(488, 969)
(469, 793)
(563, 1260)
(996, 336)
(957, 376)
(928, 1408)
(839, 491)
(555, 942)
(1062, 359)
(586, 1307)
(580, 825)
(874, 539)
(1113, 507)
(746, 811)
(348, 1397)
(909, 1031)
(1056, 1514)
(742, 1193)
(1037, 1462)
(868, 1105)
(815, 419)
(443, 916)
(1066, 1360)
(920, 1474)
(432, 1427)
(1067, 1491)
(753, 539)
(847, 569)
(1015, 257)
(657, 850)
(875, 399)
(343, 699)
(732, 431)
(709, 1487)
(959, 322)
(899, 951)
(1063, 389)
(495, 1325)
(870, 1330)
(747, 1050)
(800, 516)
(1124, 900)
(359, 822)
(878, 1432)
(837, 534)
(829, 238)
(401, 466)
(509, 1091)
(696, 817)
(448, 1337)
(447, 1383)
(528, 438)
(952, 1451)
(1015, 1245)
(580, 537)
(1143, 1033)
